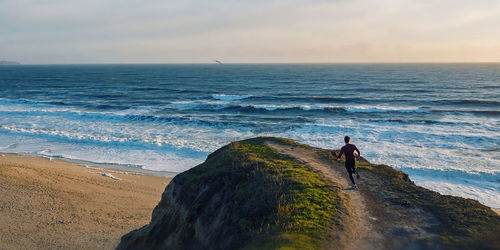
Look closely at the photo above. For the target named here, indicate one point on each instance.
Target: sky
(249, 31)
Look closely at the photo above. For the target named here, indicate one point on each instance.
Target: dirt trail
(372, 221)
(360, 229)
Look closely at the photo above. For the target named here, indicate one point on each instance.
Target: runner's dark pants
(350, 166)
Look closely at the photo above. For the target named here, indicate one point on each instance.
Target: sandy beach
(48, 204)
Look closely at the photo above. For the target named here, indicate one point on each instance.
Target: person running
(350, 159)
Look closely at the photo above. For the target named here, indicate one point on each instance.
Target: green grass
(282, 204)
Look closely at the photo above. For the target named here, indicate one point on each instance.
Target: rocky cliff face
(190, 221)
(269, 193)
(244, 194)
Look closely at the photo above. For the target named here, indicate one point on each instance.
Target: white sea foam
(137, 110)
(47, 110)
(268, 107)
(172, 159)
(487, 194)
(221, 101)
(224, 97)
(314, 107)
(420, 150)
(273, 107)
(354, 109)
(196, 104)
(106, 174)
(370, 109)
(9, 146)
(111, 176)
(28, 108)
(93, 168)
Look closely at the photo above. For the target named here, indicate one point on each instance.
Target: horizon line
(234, 63)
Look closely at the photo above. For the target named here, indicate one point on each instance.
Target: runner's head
(347, 139)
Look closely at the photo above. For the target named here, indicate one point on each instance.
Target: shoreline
(106, 165)
(54, 203)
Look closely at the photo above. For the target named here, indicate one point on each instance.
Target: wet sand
(48, 204)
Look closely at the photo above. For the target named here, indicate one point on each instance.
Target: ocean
(440, 123)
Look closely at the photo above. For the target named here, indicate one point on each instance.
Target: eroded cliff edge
(267, 193)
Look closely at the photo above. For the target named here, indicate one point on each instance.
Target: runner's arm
(340, 153)
(357, 150)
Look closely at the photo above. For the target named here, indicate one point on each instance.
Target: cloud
(77, 31)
